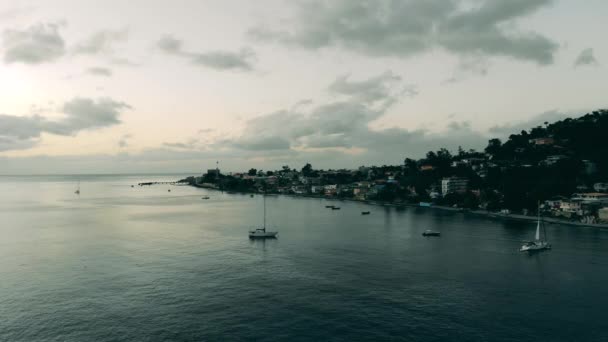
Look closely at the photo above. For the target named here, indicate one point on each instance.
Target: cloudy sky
(170, 86)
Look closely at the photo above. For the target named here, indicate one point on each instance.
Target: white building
(591, 197)
(600, 187)
(454, 185)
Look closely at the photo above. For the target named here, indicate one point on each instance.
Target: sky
(174, 86)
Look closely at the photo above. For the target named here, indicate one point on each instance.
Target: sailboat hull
(535, 246)
(255, 234)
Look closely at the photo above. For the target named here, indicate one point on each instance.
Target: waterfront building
(331, 190)
(552, 160)
(598, 197)
(360, 192)
(454, 185)
(602, 214)
(600, 187)
(317, 189)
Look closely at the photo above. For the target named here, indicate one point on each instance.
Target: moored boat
(537, 244)
(429, 232)
(262, 233)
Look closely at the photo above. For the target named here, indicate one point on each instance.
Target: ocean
(122, 263)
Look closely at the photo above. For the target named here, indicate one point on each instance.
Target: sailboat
(261, 233)
(77, 192)
(537, 244)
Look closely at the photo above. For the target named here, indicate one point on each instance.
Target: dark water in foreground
(143, 264)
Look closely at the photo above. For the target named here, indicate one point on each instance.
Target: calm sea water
(143, 264)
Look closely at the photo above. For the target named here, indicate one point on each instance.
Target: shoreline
(484, 213)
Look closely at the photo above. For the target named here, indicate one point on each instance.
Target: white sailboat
(77, 192)
(261, 233)
(537, 244)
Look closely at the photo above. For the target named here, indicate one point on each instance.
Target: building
(331, 190)
(543, 141)
(360, 192)
(602, 214)
(600, 187)
(596, 197)
(552, 160)
(214, 172)
(454, 185)
(317, 189)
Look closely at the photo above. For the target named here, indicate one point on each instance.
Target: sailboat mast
(264, 211)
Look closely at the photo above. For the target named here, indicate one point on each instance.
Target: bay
(118, 263)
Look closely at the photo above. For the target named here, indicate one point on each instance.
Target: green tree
(307, 170)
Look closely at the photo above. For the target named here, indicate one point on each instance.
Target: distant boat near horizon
(365, 213)
(77, 192)
(429, 232)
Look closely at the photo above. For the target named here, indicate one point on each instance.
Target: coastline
(484, 213)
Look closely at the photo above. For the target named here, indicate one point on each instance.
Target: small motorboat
(429, 232)
(365, 213)
(205, 197)
(335, 208)
(329, 206)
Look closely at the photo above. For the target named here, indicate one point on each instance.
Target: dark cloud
(225, 60)
(34, 45)
(503, 131)
(99, 71)
(100, 42)
(409, 27)
(79, 114)
(220, 60)
(170, 44)
(263, 143)
(340, 131)
(469, 65)
(373, 89)
(586, 57)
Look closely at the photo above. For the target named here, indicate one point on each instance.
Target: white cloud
(34, 45)
(22, 132)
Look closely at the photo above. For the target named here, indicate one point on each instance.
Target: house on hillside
(454, 185)
(552, 160)
(543, 141)
(600, 187)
